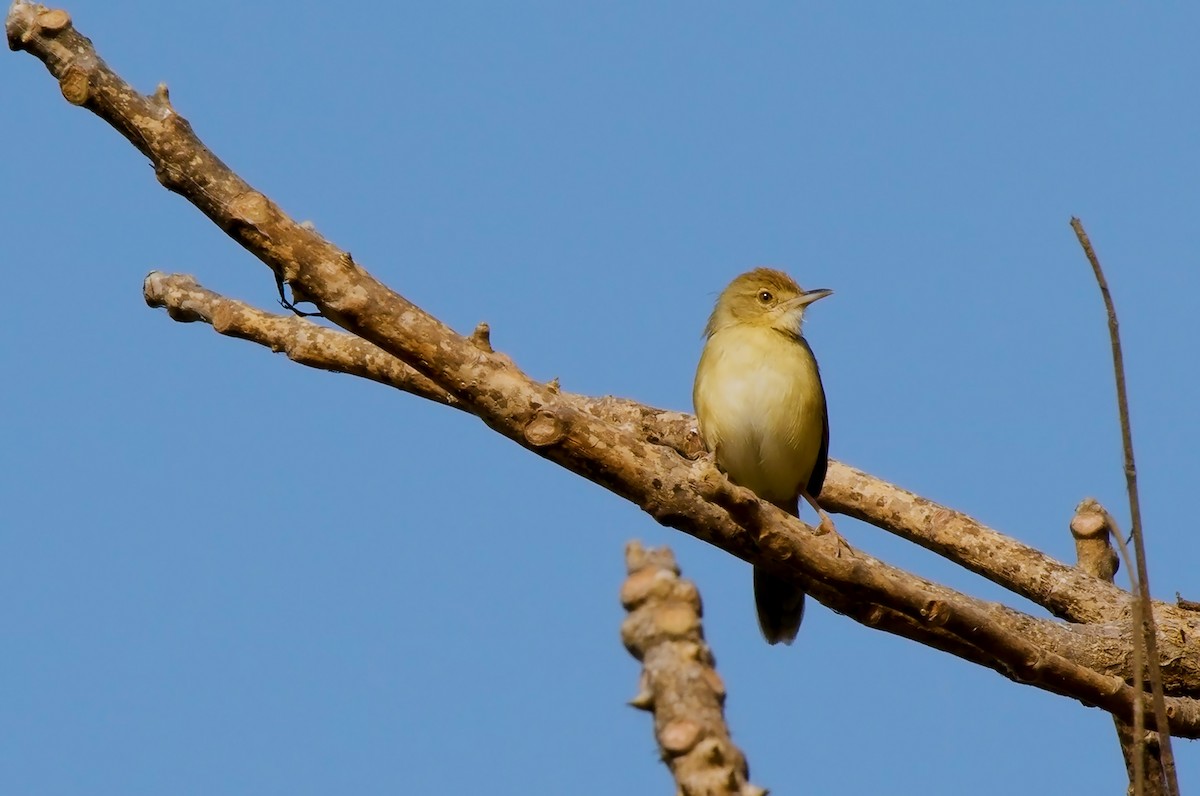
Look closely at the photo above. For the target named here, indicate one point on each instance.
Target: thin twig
(1138, 751)
(1095, 530)
(1146, 628)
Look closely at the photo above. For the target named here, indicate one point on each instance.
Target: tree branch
(627, 456)
(1065, 591)
(345, 353)
(1144, 617)
(304, 341)
(333, 350)
(679, 681)
(1094, 529)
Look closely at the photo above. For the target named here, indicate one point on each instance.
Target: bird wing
(817, 479)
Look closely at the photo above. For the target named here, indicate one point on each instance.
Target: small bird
(762, 413)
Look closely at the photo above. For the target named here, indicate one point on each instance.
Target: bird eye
(765, 296)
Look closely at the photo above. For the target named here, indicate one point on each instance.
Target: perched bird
(761, 407)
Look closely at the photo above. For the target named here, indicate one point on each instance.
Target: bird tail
(780, 607)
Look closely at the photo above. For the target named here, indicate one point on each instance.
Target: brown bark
(640, 453)
(679, 681)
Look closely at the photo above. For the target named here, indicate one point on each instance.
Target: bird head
(763, 297)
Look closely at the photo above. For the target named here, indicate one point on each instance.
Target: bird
(761, 409)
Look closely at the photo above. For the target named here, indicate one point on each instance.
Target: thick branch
(1065, 591)
(339, 351)
(692, 497)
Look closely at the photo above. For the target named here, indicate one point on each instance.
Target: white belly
(761, 409)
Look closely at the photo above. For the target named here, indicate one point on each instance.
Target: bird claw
(826, 526)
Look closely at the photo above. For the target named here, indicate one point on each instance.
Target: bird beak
(809, 296)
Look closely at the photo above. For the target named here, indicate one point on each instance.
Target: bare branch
(190, 302)
(1063, 590)
(615, 444)
(304, 341)
(181, 295)
(679, 681)
(1146, 610)
(1094, 529)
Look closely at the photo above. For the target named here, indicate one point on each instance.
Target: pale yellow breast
(760, 405)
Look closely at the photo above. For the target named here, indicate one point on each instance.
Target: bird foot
(826, 526)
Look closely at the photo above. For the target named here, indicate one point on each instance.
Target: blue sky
(221, 572)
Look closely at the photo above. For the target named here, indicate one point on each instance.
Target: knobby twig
(1146, 629)
(679, 681)
(632, 450)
